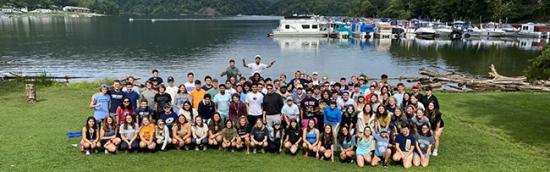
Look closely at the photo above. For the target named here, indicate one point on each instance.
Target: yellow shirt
(196, 97)
(147, 131)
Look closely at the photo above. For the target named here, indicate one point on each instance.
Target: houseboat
(300, 26)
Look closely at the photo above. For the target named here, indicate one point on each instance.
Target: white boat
(509, 30)
(492, 30)
(473, 32)
(300, 26)
(424, 30)
(383, 30)
(528, 31)
(442, 30)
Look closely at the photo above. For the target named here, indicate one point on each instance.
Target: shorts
(415, 154)
(364, 153)
(82, 145)
(203, 141)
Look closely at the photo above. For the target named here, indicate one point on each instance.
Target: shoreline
(53, 14)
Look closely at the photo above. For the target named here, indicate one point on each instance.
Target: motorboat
(528, 31)
(509, 30)
(362, 30)
(300, 26)
(492, 30)
(383, 30)
(424, 30)
(442, 30)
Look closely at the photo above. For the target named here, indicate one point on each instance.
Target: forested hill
(447, 10)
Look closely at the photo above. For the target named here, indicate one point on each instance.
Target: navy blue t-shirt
(116, 99)
(169, 119)
(133, 96)
(405, 142)
(158, 79)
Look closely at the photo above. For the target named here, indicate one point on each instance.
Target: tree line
(445, 10)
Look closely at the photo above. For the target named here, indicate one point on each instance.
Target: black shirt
(309, 106)
(293, 135)
(158, 79)
(206, 110)
(272, 104)
(259, 134)
(242, 130)
(162, 100)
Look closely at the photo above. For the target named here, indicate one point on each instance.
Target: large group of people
(367, 122)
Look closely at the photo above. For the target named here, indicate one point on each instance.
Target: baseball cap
(325, 77)
(289, 99)
(170, 78)
(166, 106)
(258, 56)
(277, 123)
(416, 86)
(314, 73)
(383, 130)
(300, 86)
(103, 86)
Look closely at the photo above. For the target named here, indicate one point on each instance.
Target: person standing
(148, 94)
(257, 67)
(215, 88)
(162, 99)
(100, 103)
(189, 85)
(116, 97)
(237, 108)
(206, 108)
(172, 89)
(272, 105)
(155, 77)
(231, 71)
(221, 100)
(207, 83)
(197, 94)
(254, 102)
(310, 109)
(132, 95)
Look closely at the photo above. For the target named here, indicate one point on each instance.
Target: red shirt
(121, 114)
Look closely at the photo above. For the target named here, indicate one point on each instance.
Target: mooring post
(31, 93)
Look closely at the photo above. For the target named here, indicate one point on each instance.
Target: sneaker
(87, 152)
(232, 150)
(204, 148)
(254, 151)
(263, 151)
(435, 152)
(305, 155)
(186, 147)
(106, 152)
(385, 165)
(197, 148)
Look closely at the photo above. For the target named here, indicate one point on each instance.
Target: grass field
(497, 131)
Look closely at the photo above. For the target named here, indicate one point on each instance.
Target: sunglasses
(126, 101)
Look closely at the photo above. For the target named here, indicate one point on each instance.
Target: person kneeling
(146, 133)
(424, 143)
(162, 135)
(276, 135)
(404, 147)
(259, 136)
(293, 137)
(347, 143)
(230, 137)
(200, 134)
(128, 134)
(181, 133)
(108, 138)
(311, 135)
(215, 127)
(326, 146)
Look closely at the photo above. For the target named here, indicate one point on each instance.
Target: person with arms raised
(231, 71)
(257, 67)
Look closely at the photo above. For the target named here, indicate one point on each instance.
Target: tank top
(311, 137)
(91, 134)
(109, 132)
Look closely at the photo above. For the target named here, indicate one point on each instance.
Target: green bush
(539, 68)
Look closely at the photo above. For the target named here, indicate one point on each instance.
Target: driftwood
(495, 81)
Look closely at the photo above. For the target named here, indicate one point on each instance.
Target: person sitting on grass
(364, 147)
(258, 137)
(230, 137)
(437, 124)
(90, 136)
(162, 134)
(293, 137)
(404, 147)
(215, 127)
(311, 138)
(244, 133)
(128, 134)
(326, 146)
(424, 143)
(382, 152)
(108, 137)
(146, 133)
(200, 134)
(276, 135)
(181, 133)
(346, 143)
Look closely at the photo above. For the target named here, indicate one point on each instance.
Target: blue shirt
(101, 102)
(143, 112)
(169, 119)
(332, 116)
(405, 142)
(222, 101)
(116, 99)
(133, 96)
(381, 145)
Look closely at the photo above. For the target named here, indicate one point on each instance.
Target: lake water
(114, 47)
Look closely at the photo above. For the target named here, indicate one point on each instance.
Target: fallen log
(493, 74)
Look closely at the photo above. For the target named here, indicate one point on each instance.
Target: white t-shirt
(190, 86)
(342, 103)
(256, 68)
(254, 101)
(172, 91)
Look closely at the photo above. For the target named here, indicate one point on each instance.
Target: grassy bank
(483, 131)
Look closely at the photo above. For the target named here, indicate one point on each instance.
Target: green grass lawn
(497, 131)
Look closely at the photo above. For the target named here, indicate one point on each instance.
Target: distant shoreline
(53, 14)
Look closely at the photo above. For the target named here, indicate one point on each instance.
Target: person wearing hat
(416, 91)
(382, 152)
(100, 103)
(161, 99)
(171, 89)
(276, 135)
(363, 84)
(168, 116)
(257, 67)
(197, 94)
(315, 78)
(298, 94)
(325, 79)
(290, 112)
(429, 97)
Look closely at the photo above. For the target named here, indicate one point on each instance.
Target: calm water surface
(114, 47)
